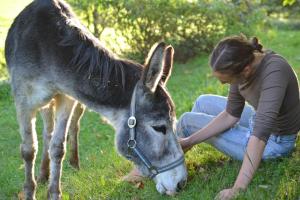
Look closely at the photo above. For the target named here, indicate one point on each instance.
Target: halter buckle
(131, 122)
(153, 170)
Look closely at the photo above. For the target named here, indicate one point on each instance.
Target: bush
(3, 70)
(192, 27)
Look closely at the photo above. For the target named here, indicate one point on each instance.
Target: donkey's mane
(89, 57)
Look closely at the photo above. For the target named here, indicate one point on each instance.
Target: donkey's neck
(114, 116)
(115, 94)
(97, 77)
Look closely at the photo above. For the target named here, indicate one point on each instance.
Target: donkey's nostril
(181, 185)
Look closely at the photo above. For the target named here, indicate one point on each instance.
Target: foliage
(283, 14)
(192, 27)
(97, 14)
(283, 8)
(288, 2)
(3, 71)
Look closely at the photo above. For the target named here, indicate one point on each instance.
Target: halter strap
(132, 144)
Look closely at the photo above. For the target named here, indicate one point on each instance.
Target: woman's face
(240, 78)
(229, 78)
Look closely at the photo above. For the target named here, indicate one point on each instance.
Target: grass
(101, 166)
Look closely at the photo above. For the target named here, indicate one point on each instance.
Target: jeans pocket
(279, 146)
(275, 151)
(287, 138)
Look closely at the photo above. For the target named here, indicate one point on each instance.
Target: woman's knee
(210, 104)
(204, 99)
(190, 122)
(182, 124)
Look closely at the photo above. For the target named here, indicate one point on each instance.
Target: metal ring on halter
(153, 170)
(131, 122)
(131, 143)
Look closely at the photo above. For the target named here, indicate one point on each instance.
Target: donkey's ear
(154, 66)
(167, 64)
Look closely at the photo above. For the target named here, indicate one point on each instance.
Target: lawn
(101, 166)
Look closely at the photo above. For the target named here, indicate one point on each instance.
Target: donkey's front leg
(64, 109)
(73, 134)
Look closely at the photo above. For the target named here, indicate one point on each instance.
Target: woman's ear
(247, 71)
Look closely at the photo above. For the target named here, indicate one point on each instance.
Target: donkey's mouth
(162, 190)
(172, 181)
(171, 193)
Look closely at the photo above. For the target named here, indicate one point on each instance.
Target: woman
(266, 129)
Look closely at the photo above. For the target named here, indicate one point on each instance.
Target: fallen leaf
(139, 185)
(264, 186)
(21, 196)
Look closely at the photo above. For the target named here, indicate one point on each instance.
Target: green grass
(101, 166)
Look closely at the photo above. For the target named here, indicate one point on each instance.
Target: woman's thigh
(210, 104)
(190, 122)
(232, 142)
(215, 104)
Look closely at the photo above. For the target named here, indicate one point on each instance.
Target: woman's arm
(222, 122)
(252, 158)
(251, 161)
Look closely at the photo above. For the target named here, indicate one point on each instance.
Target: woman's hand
(227, 194)
(185, 144)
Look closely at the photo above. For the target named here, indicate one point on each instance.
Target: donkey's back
(34, 37)
(33, 53)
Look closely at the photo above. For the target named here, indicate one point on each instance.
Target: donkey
(52, 57)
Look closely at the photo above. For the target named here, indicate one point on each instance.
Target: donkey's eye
(161, 129)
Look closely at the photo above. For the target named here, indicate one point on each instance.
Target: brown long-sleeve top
(273, 91)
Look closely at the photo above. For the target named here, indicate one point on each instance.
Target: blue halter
(132, 144)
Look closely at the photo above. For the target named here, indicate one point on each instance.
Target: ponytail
(255, 45)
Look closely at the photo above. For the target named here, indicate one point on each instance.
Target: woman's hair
(232, 54)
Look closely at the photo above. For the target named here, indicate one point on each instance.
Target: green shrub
(192, 27)
(3, 71)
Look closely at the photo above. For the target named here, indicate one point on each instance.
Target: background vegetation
(192, 27)
(130, 27)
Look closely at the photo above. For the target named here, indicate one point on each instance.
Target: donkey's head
(148, 137)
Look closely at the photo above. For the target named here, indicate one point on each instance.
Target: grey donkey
(52, 58)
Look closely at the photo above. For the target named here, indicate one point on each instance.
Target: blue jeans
(232, 142)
